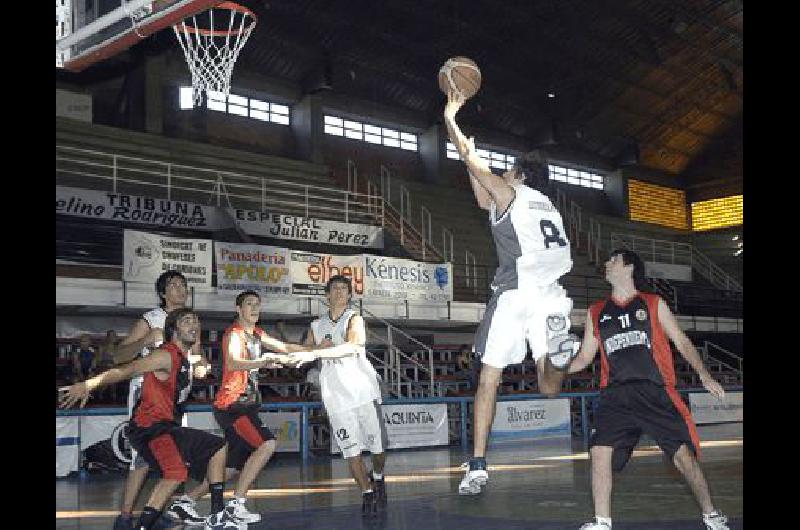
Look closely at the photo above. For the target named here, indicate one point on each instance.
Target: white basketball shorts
(515, 316)
(359, 429)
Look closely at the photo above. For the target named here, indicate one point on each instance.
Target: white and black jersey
(532, 245)
(345, 382)
(155, 318)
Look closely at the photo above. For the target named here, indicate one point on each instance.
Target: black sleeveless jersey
(633, 344)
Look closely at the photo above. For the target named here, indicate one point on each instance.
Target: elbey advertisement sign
(310, 271)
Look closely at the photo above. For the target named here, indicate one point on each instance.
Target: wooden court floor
(536, 485)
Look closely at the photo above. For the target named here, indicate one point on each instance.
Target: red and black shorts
(175, 452)
(627, 410)
(244, 432)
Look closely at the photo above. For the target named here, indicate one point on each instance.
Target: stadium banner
(529, 420)
(74, 105)
(420, 425)
(261, 268)
(404, 279)
(310, 271)
(284, 425)
(67, 445)
(161, 213)
(708, 409)
(280, 226)
(146, 256)
(668, 271)
(98, 428)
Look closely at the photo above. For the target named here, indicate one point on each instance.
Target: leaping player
(527, 302)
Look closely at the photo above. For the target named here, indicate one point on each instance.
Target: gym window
(373, 134)
(575, 177)
(238, 105)
(496, 160)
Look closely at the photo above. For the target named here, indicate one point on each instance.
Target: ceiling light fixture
(551, 94)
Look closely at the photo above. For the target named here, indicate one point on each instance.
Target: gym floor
(536, 485)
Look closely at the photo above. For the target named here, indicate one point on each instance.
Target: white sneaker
(474, 479)
(224, 520)
(716, 521)
(594, 525)
(561, 349)
(242, 513)
(184, 511)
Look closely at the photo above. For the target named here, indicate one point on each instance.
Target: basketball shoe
(475, 477)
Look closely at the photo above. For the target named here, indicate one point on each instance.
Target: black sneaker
(379, 487)
(165, 522)
(183, 510)
(369, 503)
(123, 522)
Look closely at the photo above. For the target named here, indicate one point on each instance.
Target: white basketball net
(212, 52)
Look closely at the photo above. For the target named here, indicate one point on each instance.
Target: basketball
(460, 74)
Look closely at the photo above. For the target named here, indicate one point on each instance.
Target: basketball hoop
(211, 52)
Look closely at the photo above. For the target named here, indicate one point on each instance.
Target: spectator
(465, 366)
(312, 390)
(105, 360)
(84, 361)
(107, 350)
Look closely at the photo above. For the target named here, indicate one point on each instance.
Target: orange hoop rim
(232, 6)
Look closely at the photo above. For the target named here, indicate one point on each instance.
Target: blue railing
(463, 401)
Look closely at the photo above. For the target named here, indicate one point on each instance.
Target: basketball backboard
(89, 31)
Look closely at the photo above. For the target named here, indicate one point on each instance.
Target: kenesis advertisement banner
(280, 226)
(708, 409)
(260, 268)
(146, 256)
(404, 279)
(529, 420)
(412, 426)
(310, 272)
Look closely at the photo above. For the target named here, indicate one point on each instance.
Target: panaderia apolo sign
(281, 226)
(242, 267)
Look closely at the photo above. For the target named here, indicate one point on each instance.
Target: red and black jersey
(633, 344)
(160, 400)
(238, 382)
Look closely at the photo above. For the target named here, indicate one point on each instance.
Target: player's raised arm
(481, 177)
(140, 336)
(159, 360)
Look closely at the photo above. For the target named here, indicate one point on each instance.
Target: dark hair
(533, 168)
(161, 284)
(171, 323)
(244, 294)
(339, 279)
(630, 257)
